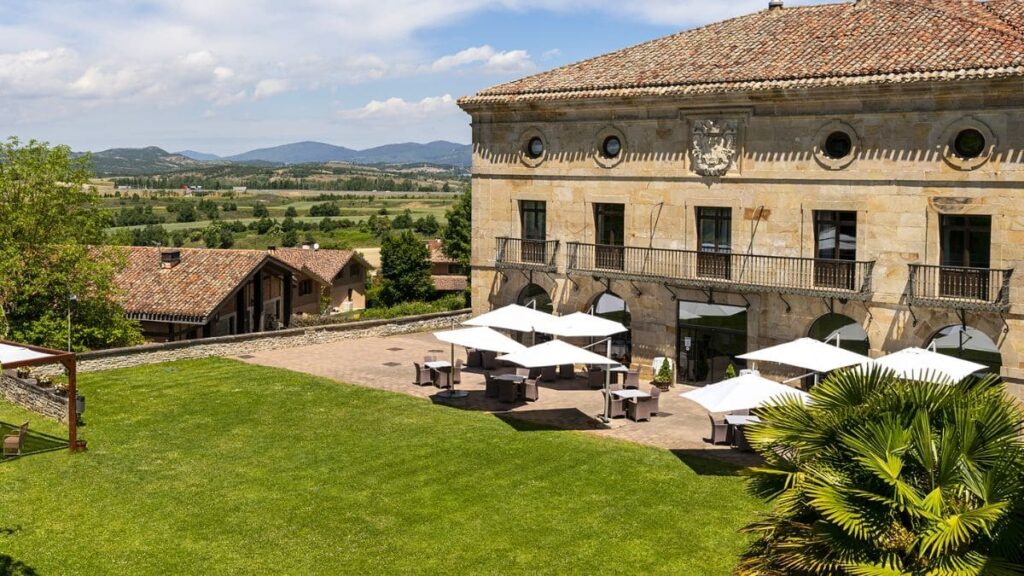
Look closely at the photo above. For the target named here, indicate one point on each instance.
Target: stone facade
(29, 396)
(348, 292)
(900, 177)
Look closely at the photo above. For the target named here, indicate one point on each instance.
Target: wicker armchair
(639, 408)
(617, 406)
(457, 371)
(719, 431)
(739, 440)
(442, 378)
(490, 359)
(549, 373)
(633, 379)
(655, 400)
(474, 359)
(508, 391)
(531, 392)
(13, 443)
(567, 372)
(423, 377)
(430, 358)
(490, 386)
(595, 377)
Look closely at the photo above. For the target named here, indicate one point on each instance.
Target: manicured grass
(217, 467)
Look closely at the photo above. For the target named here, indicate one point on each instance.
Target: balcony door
(965, 255)
(609, 223)
(534, 227)
(835, 249)
(714, 229)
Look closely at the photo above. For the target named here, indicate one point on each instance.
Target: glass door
(534, 226)
(714, 228)
(609, 223)
(965, 256)
(835, 249)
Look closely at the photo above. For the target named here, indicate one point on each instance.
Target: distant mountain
(437, 152)
(139, 161)
(201, 156)
(297, 153)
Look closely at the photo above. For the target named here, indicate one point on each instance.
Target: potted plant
(45, 382)
(60, 385)
(663, 377)
(24, 372)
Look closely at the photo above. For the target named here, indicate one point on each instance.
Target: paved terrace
(386, 363)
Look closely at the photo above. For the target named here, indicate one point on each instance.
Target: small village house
(339, 275)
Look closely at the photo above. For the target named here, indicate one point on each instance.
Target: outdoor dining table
(736, 424)
(438, 365)
(630, 393)
(514, 380)
(741, 420)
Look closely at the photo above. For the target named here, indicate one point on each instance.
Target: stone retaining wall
(249, 343)
(26, 394)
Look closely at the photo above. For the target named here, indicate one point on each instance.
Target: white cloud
(491, 61)
(269, 87)
(400, 108)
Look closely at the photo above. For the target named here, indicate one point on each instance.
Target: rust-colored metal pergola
(15, 355)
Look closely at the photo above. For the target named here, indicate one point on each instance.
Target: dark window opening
(838, 145)
(835, 248)
(609, 223)
(714, 230)
(533, 216)
(966, 251)
(535, 147)
(611, 147)
(305, 287)
(969, 144)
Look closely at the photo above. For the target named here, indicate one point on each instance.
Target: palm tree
(879, 476)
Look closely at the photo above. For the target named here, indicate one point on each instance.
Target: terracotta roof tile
(325, 265)
(863, 42)
(437, 255)
(190, 291)
(449, 283)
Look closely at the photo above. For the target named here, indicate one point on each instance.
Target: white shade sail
(920, 364)
(10, 354)
(481, 338)
(741, 393)
(809, 354)
(556, 353)
(585, 325)
(515, 317)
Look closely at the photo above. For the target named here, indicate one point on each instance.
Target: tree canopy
(882, 476)
(405, 269)
(51, 218)
(458, 232)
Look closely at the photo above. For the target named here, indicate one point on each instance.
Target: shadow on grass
(34, 443)
(11, 567)
(716, 462)
(547, 420)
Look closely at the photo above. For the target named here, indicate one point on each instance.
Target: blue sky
(225, 76)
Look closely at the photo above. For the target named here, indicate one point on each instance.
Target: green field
(217, 467)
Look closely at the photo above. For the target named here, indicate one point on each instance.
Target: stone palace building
(850, 171)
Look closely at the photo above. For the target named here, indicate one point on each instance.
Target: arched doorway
(850, 334)
(610, 306)
(969, 344)
(533, 296)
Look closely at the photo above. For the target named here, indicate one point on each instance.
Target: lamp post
(72, 299)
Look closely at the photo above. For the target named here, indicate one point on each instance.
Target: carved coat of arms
(713, 149)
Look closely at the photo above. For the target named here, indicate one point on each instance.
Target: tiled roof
(437, 255)
(449, 283)
(862, 42)
(324, 265)
(192, 290)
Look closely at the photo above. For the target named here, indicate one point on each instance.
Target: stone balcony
(979, 289)
(519, 254)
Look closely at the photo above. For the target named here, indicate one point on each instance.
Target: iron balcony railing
(959, 287)
(522, 254)
(733, 272)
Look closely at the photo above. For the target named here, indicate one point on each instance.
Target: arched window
(969, 344)
(611, 307)
(846, 330)
(533, 296)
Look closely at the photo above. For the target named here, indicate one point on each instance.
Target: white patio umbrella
(481, 338)
(742, 393)
(920, 364)
(809, 354)
(580, 325)
(554, 353)
(515, 317)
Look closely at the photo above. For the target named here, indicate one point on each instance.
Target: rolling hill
(139, 161)
(297, 153)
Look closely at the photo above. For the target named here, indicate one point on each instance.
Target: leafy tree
(151, 235)
(291, 212)
(288, 224)
(50, 217)
(379, 226)
(325, 209)
(178, 238)
(259, 210)
(186, 212)
(218, 235)
(882, 476)
(264, 225)
(405, 269)
(403, 220)
(290, 239)
(427, 225)
(458, 233)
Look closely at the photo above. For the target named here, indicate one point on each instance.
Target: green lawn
(217, 467)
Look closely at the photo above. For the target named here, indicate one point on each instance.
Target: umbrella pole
(450, 392)
(608, 384)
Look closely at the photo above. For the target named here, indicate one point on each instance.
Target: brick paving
(385, 363)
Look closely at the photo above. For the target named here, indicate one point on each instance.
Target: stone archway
(613, 307)
(535, 296)
(840, 328)
(968, 343)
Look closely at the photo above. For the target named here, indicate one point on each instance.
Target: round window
(838, 145)
(969, 143)
(535, 147)
(611, 147)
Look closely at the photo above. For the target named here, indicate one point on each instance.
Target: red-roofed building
(447, 274)
(337, 275)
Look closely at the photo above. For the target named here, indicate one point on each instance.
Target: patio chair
(739, 440)
(549, 373)
(639, 408)
(719, 431)
(442, 378)
(524, 372)
(531, 392)
(430, 358)
(618, 408)
(457, 371)
(423, 376)
(615, 386)
(595, 377)
(508, 391)
(633, 379)
(490, 386)
(13, 443)
(656, 400)
(490, 359)
(567, 372)
(474, 358)
(535, 373)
